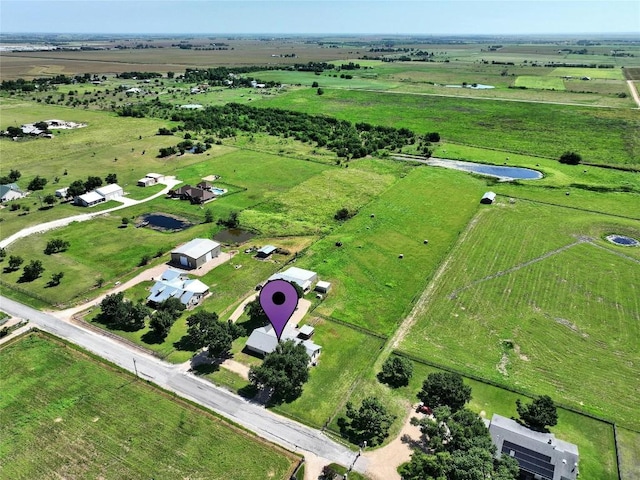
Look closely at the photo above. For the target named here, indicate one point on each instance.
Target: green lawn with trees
(92, 420)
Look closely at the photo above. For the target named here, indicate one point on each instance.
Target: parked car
(422, 408)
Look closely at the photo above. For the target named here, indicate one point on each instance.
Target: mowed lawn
(372, 287)
(65, 415)
(525, 303)
(601, 135)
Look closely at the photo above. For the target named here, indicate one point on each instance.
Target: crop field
(372, 286)
(88, 420)
(602, 135)
(543, 83)
(594, 438)
(543, 306)
(608, 73)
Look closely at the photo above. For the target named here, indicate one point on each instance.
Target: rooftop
(197, 247)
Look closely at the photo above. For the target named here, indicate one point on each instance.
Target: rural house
(195, 253)
(193, 194)
(10, 191)
(263, 340)
(541, 455)
(176, 284)
(303, 278)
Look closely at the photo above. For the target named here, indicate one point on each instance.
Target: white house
(89, 199)
(178, 285)
(263, 340)
(10, 191)
(303, 278)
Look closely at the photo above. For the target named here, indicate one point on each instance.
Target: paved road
(280, 430)
(170, 182)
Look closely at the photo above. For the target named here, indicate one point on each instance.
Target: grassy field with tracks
(601, 135)
(545, 304)
(65, 414)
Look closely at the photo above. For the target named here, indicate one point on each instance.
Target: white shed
(110, 191)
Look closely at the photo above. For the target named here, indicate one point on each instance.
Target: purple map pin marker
(278, 299)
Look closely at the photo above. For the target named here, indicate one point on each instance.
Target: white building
(110, 191)
(303, 278)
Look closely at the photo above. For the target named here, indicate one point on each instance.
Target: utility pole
(135, 367)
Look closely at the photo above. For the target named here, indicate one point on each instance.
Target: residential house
(175, 284)
(10, 191)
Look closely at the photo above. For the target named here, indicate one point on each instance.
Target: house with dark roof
(10, 191)
(195, 253)
(193, 194)
(540, 455)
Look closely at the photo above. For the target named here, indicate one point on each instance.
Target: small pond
(164, 222)
(233, 235)
(473, 86)
(504, 173)
(623, 240)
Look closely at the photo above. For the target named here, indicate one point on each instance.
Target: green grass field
(628, 442)
(543, 83)
(566, 320)
(372, 287)
(600, 135)
(606, 73)
(64, 414)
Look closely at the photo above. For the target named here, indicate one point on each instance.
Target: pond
(474, 86)
(164, 222)
(623, 240)
(233, 235)
(503, 173)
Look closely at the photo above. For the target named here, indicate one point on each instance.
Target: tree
(50, 200)
(56, 245)
(256, 313)
(444, 388)
(122, 314)
(571, 158)
(396, 371)
(173, 306)
(3, 253)
(56, 278)
(343, 214)
(111, 178)
(125, 221)
(539, 414)
(33, 270)
(14, 262)
(161, 323)
(76, 189)
(369, 423)
(170, 74)
(37, 183)
(320, 91)
(314, 85)
(14, 175)
(204, 330)
(283, 371)
(92, 183)
(208, 216)
(424, 466)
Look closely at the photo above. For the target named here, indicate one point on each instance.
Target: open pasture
(65, 414)
(605, 73)
(601, 135)
(372, 287)
(529, 300)
(542, 83)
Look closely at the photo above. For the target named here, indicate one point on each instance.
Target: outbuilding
(62, 192)
(195, 253)
(110, 191)
(146, 182)
(303, 278)
(322, 286)
(89, 199)
(266, 251)
(488, 198)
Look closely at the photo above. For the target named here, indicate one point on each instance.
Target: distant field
(567, 320)
(612, 73)
(601, 135)
(543, 83)
(90, 421)
(372, 287)
(629, 447)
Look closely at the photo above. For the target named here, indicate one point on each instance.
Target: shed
(306, 332)
(89, 199)
(62, 192)
(488, 198)
(146, 182)
(303, 278)
(195, 253)
(322, 286)
(110, 191)
(158, 177)
(266, 251)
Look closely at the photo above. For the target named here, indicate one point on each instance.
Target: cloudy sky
(321, 16)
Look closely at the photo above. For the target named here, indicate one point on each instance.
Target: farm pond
(623, 240)
(164, 222)
(233, 235)
(503, 173)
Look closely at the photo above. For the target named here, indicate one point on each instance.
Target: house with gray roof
(540, 455)
(10, 191)
(263, 340)
(195, 253)
(173, 283)
(303, 278)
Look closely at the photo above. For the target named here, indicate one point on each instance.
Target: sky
(422, 17)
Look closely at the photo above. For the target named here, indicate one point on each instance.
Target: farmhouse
(195, 253)
(176, 284)
(541, 455)
(488, 198)
(303, 278)
(110, 191)
(193, 194)
(10, 191)
(263, 340)
(89, 199)
(266, 251)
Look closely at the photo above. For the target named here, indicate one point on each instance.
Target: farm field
(594, 438)
(547, 130)
(372, 287)
(544, 83)
(542, 310)
(89, 420)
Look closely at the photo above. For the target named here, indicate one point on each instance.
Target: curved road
(287, 433)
